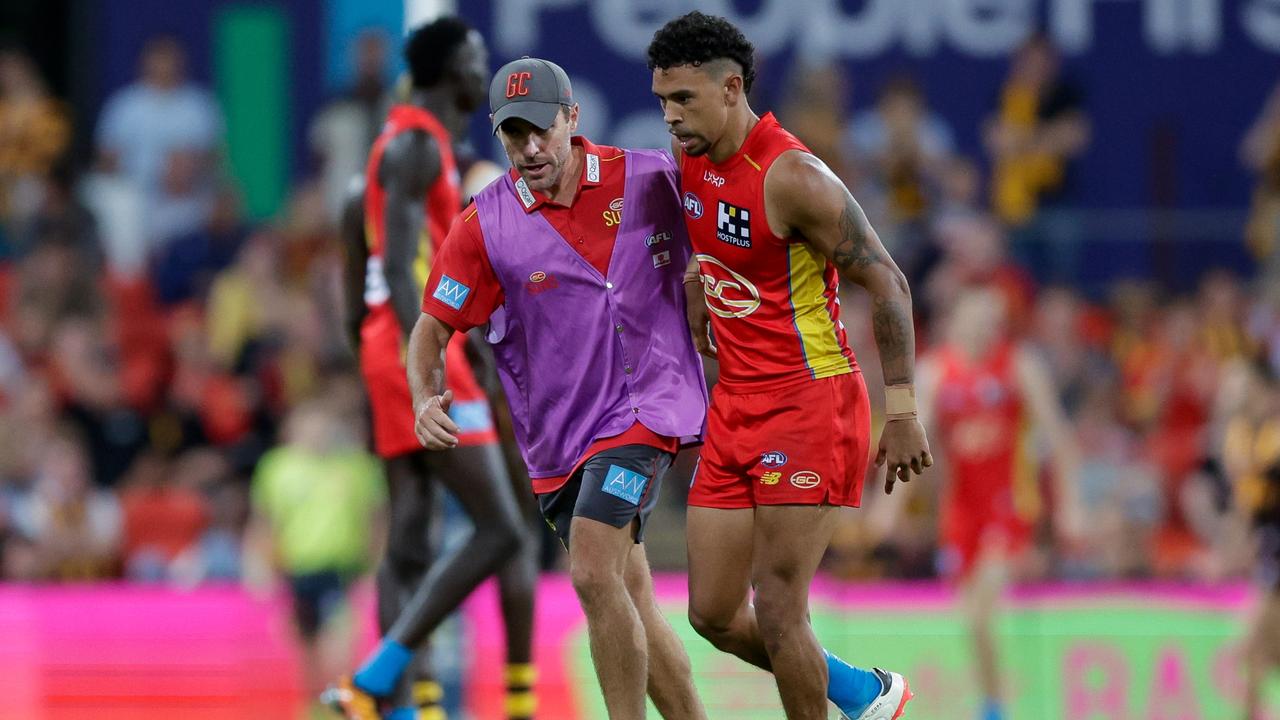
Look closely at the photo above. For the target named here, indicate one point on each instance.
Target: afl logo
(773, 459)
(806, 479)
(692, 205)
(537, 277)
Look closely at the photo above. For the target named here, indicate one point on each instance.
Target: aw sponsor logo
(623, 483)
(540, 282)
(451, 292)
(806, 479)
(729, 294)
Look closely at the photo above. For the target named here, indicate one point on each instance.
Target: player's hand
(903, 450)
(435, 430)
(699, 319)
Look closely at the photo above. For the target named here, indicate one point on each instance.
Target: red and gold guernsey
(382, 342)
(774, 307)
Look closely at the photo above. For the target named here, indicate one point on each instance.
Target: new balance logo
(733, 225)
(623, 483)
(451, 292)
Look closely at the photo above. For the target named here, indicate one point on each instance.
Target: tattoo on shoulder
(854, 250)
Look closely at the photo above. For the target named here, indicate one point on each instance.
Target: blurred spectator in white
(341, 133)
(73, 529)
(903, 146)
(317, 503)
(163, 135)
(183, 269)
(1260, 152)
(34, 133)
(1038, 128)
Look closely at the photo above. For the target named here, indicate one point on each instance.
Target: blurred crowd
(156, 344)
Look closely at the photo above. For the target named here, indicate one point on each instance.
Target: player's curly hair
(696, 38)
(429, 47)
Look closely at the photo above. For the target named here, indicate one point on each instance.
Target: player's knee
(778, 606)
(715, 627)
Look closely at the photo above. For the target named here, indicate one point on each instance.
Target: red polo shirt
(589, 224)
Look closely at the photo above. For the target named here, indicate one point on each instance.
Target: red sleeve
(463, 290)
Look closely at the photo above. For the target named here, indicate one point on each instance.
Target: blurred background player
(774, 230)
(980, 394)
(1251, 453)
(411, 195)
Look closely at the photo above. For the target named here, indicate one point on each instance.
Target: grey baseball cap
(530, 89)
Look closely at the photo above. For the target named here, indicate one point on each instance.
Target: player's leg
(410, 549)
(670, 673)
(491, 506)
(980, 592)
(788, 544)
(517, 586)
(1260, 651)
(719, 545)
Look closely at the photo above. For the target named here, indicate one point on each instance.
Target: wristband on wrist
(900, 401)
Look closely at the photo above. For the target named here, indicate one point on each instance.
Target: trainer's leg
(619, 649)
(719, 545)
(491, 505)
(670, 673)
(980, 595)
(788, 544)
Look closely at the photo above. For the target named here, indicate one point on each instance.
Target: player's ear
(732, 89)
(573, 118)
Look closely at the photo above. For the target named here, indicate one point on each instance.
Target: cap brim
(541, 114)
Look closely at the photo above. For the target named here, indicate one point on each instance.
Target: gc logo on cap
(530, 89)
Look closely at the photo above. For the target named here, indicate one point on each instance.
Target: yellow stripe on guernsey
(813, 323)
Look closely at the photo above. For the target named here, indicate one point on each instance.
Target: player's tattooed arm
(803, 197)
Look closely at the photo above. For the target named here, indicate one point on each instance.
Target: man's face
(695, 103)
(471, 68)
(538, 154)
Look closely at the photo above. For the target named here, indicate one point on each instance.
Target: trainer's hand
(903, 450)
(434, 428)
(699, 319)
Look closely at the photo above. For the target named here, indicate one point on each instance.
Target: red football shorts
(973, 526)
(392, 404)
(803, 444)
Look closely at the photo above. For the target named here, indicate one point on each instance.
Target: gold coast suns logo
(729, 295)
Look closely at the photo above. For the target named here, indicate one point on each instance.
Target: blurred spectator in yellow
(317, 503)
(1260, 152)
(1038, 128)
(1251, 455)
(163, 135)
(247, 300)
(73, 529)
(34, 133)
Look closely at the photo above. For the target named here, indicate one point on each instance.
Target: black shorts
(613, 486)
(316, 597)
